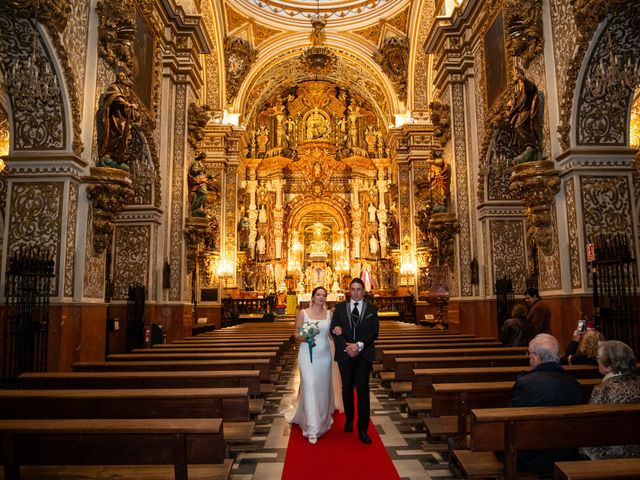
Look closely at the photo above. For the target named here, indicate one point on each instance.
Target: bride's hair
(315, 290)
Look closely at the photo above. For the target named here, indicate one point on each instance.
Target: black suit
(355, 371)
(545, 385)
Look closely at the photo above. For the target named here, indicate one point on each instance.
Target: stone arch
(337, 207)
(601, 113)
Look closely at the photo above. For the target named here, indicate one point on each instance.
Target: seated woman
(621, 384)
(516, 331)
(583, 349)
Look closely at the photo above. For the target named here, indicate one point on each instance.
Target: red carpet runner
(337, 455)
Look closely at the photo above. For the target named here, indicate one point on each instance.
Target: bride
(317, 400)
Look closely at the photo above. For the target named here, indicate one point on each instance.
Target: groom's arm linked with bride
(355, 350)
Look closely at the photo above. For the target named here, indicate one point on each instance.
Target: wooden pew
(230, 404)
(532, 428)
(424, 378)
(160, 355)
(613, 469)
(453, 402)
(405, 365)
(115, 380)
(382, 351)
(390, 356)
(111, 442)
(263, 366)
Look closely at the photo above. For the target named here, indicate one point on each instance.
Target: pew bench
(262, 365)
(176, 442)
(531, 428)
(230, 404)
(404, 366)
(390, 356)
(613, 469)
(452, 403)
(115, 380)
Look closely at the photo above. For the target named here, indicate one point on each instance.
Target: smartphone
(582, 326)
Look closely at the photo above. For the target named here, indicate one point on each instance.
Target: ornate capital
(537, 183)
(117, 32)
(109, 190)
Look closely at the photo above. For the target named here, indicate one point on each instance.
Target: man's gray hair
(546, 347)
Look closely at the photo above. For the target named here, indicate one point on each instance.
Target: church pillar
(382, 183)
(356, 213)
(278, 218)
(252, 187)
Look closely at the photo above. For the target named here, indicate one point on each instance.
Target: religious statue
(198, 181)
(373, 245)
(316, 126)
(439, 186)
(116, 117)
(522, 117)
(243, 231)
(372, 212)
(262, 138)
(393, 233)
(261, 244)
(262, 214)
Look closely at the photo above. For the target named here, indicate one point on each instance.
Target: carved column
(356, 213)
(278, 218)
(252, 187)
(382, 212)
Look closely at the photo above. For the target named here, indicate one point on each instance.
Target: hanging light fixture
(318, 58)
(31, 81)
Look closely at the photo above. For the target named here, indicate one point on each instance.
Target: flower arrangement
(308, 331)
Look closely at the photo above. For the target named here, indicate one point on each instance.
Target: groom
(354, 353)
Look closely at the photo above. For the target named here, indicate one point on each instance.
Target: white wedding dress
(316, 403)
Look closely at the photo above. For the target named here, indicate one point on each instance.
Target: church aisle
(264, 458)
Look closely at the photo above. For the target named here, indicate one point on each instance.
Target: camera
(582, 326)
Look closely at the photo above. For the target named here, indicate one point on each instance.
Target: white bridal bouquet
(309, 330)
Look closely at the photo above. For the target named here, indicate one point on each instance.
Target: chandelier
(31, 80)
(613, 73)
(317, 57)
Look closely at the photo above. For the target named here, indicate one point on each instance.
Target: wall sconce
(407, 272)
(225, 271)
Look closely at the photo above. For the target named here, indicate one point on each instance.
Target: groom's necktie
(355, 318)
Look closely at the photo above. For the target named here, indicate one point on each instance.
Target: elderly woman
(620, 384)
(583, 349)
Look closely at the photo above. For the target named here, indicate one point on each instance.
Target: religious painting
(143, 62)
(495, 60)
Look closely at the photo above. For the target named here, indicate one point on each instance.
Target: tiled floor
(413, 457)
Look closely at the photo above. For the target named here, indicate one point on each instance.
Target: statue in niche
(243, 231)
(370, 136)
(380, 151)
(262, 138)
(316, 126)
(522, 118)
(372, 213)
(117, 116)
(439, 186)
(393, 233)
(198, 182)
(261, 245)
(262, 214)
(373, 245)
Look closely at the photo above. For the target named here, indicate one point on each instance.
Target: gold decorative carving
(537, 184)
(198, 117)
(523, 23)
(108, 191)
(443, 227)
(239, 56)
(372, 34)
(234, 18)
(262, 33)
(117, 32)
(441, 119)
(393, 57)
(195, 231)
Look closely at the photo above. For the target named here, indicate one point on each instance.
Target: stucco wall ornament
(441, 119)
(239, 56)
(523, 22)
(393, 57)
(109, 190)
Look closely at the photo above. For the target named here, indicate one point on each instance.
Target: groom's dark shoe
(348, 426)
(364, 438)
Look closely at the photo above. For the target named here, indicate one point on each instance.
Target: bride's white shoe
(313, 440)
